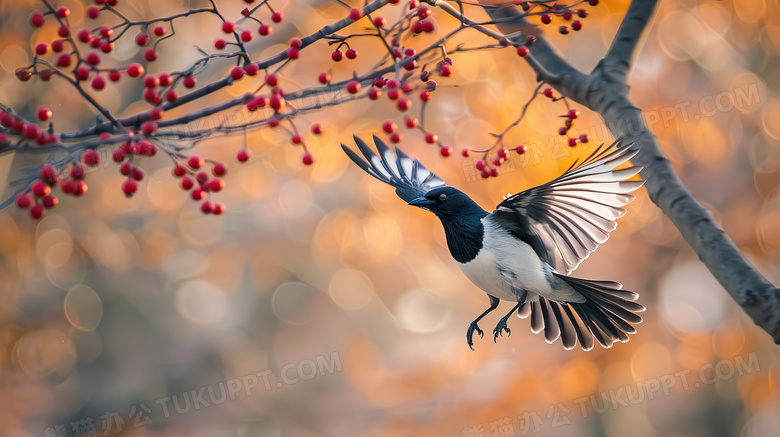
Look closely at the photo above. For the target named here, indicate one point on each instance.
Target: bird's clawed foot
(470, 333)
(500, 328)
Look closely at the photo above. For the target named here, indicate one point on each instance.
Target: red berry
(403, 104)
(445, 151)
(243, 155)
(165, 79)
(593, 2)
(91, 157)
(573, 142)
(356, 14)
(237, 72)
(393, 93)
(324, 77)
(277, 17)
(272, 79)
(296, 43)
(186, 183)
(114, 75)
(40, 189)
(351, 54)
(93, 12)
(576, 25)
(296, 139)
(522, 51)
(106, 32)
(135, 70)
(63, 31)
(195, 162)
(125, 169)
(171, 96)
(573, 113)
(219, 169)
(546, 18)
(202, 177)
(84, 35)
(584, 138)
(129, 187)
(50, 201)
(411, 122)
(548, 92)
(521, 149)
(142, 39)
(63, 60)
(502, 153)
(92, 58)
(149, 128)
(582, 13)
(216, 185)
(31, 131)
(106, 47)
(23, 74)
(217, 209)
(264, 30)
(179, 170)
(44, 113)
(197, 194)
(316, 128)
(36, 19)
(57, 45)
(353, 87)
(431, 138)
(190, 81)
(465, 153)
(389, 126)
(37, 211)
(337, 55)
(494, 172)
(293, 53)
(41, 48)
(82, 73)
(307, 159)
(485, 174)
(379, 22)
(150, 55)
(98, 83)
(205, 207)
(159, 31)
(563, 30)
(78, 171)
(228, 27)
(23, 201)
(151, 81)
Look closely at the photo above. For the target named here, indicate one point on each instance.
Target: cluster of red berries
(247, 35)
(488, 166)
(26, 131)
(192, 172)
(423, 24)
(391, 129)
(568, 15)
(38, 196)
(569, 117)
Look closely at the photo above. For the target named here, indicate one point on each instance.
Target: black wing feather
(409, 177)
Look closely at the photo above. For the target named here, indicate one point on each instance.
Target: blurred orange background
(109, 303)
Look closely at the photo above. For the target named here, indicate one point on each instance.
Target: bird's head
(446, 202)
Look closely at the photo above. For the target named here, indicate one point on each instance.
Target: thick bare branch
(624, 47)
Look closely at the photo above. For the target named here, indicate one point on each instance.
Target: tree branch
(624, 47)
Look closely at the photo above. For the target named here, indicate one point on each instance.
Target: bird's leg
(521, 295)
(473, 325)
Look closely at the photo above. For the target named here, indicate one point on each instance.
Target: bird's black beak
(421, 202)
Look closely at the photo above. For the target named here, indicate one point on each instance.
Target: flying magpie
(526, 248)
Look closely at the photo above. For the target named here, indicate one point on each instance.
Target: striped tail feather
(605, 317)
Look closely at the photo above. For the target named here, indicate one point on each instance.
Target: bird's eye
(442, 197)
